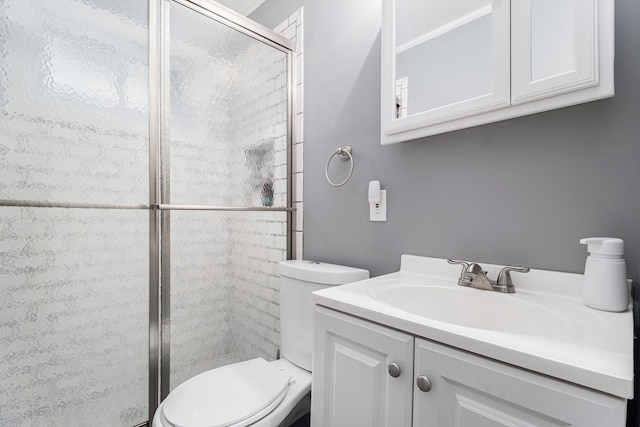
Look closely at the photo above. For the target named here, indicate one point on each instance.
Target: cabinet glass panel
(227, 116)
(552, 38)
(554, 47)
(444, 53)
(73, 317)
(224, 288)
(74, 101)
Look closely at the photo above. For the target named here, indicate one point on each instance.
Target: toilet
(256, 392)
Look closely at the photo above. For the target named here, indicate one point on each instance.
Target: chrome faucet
(474, 276)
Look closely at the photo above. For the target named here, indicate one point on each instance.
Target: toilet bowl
(252, 393)
(256, 392)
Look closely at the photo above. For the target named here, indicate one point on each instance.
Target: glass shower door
(84, 232)
(74, 213)
(224, 197)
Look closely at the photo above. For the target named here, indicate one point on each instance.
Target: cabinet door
(441, 62)
(471, 391)
(554, 47)
(351, 385)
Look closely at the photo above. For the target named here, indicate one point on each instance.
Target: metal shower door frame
(159, 279)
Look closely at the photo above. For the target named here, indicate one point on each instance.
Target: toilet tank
(298, 279)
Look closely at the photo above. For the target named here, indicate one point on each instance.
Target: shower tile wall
(254, 311)
(199, 263)
(259, 241)
(224, 277)
(292, 28)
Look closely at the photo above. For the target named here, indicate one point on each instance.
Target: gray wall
(521, 192)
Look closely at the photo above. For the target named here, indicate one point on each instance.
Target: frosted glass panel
(228, 116)
(73, 317)
(224, 288)
(74, 101)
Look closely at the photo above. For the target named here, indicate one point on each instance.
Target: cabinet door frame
(341, 341)
(468, 387)
(584, 72)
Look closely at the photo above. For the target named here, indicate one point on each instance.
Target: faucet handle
(504, 277)
(475, 268)
(465, 265)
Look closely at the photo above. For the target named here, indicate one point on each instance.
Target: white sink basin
(543, 327)
(527, 314)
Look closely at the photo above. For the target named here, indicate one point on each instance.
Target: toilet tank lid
(320, 272)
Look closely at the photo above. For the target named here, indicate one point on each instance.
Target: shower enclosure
(144, 202)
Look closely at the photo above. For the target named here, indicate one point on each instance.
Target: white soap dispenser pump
(605, 275)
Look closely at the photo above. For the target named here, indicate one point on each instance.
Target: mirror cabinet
(453, 64)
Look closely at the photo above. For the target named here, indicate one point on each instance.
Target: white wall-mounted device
(377, 202)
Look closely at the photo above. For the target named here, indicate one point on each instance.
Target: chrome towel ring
(345, 154)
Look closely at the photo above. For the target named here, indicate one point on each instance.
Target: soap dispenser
(605, 275)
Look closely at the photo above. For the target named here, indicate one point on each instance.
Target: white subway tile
(299, 99)
(294, 17)
(299, 217)
(281, 169)
(280, 28)
(289, 32)
(280, 158)
(298, 151)
(300, 39)
(299, 130)
(299, 69)
(280, 200)
(298, 183)
(280, 129)
(280, 241)
(299, 245)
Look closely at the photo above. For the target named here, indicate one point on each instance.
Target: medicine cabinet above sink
(453, 64)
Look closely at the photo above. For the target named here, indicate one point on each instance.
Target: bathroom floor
(302, 422)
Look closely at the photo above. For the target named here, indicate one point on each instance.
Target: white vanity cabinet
(472, 391)
(452, 65)
(352, 385)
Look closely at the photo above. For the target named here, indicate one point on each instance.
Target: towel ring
(345, 154)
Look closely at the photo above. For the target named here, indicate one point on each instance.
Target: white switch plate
(382, 214)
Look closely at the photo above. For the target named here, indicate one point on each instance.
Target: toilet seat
(235, 395)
